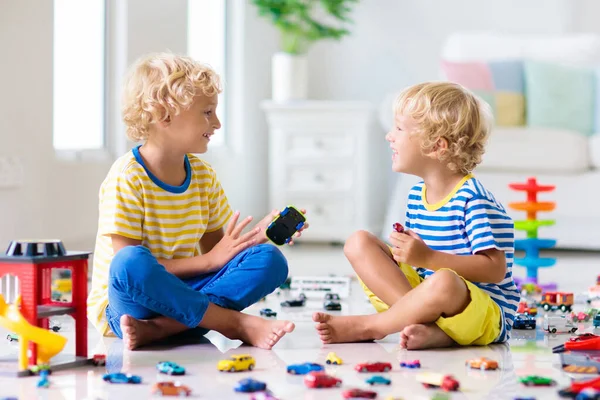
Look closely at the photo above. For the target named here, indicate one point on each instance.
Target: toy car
(332, 358)
(250, 385)
(321, 380)
(410, 364)
(120, 377)
(397, 226)
(303, 369)
(285, 225)
(558, 324)
(436, 380)
(236, 363)
(373, 367)
(293, 303)
(596, 321)
(359, 394)
(267, 312)
(170, 368)
(35, 369)
(170, 389)
(332, 305)
(562, 301)
(332, 296)
(482, 363)
(378, 380)
(525, 308)
(11, 337)
(99, 359)
(524, 321)
(583, 337)
(588, 394)
(579, 386)
(535, 380)
(580, 316)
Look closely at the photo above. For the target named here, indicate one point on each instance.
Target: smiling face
(191, 130)
(405, 142)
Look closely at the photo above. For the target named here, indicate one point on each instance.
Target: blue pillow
(560, 96)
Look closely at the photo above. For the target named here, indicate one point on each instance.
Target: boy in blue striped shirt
(447, 279)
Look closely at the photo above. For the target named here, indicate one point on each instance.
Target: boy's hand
(232, 243)
(264, 223)
(410, 249)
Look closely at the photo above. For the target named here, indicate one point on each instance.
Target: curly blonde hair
(160, 86)
(445, 110)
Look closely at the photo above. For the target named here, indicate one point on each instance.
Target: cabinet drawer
(301, 178)
(327, 144)
(325, 213)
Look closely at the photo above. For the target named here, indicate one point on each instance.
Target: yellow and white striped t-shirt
(169, 220)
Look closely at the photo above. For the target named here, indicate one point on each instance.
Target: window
(79, 74)
(206, 43)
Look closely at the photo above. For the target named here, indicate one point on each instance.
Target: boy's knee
(357, 242)
(129, 259)
(275, 264)
(446, 284)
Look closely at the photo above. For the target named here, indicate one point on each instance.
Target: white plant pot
(289, 77)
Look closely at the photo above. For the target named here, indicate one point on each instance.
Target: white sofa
(566, 159)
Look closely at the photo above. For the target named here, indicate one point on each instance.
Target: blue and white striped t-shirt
(467, 221)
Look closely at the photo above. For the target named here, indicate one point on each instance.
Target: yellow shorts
(478, 324)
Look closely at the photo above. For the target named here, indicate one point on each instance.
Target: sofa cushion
(594, 145)
(535, 150)
(499, 83)
(560, 96)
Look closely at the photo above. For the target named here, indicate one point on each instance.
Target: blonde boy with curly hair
(447, 279)
(170, 254)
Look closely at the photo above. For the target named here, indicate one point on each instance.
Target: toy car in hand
(236, 363)
(171, 389)
(373, 367)
(321, 380)
(267, 312)
(250, 385)
(410, 364)
(170, 368)
(536, 380)
(482, 363)
(303, 369)
(378, 380)
(359, 394)
(524, 321)
(293, 303)
(120, 377)
(332, 358)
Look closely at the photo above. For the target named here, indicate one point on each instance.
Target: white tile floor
(529, 352)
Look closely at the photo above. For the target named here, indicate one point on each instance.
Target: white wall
(395, 43)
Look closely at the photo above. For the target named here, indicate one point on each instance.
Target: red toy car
(582, 337)
(99, 359)
(321, 380)
(578, 386)
(359, 394)
(373, 367)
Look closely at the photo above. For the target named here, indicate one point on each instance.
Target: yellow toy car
(237, 362)
(332, 358)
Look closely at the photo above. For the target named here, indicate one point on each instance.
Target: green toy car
(11, 337)
(535, 380)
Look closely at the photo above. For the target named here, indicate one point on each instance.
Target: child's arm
(486, 266)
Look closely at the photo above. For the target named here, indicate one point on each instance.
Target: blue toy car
(410, 364)
(524, 321)
(120, 377)
(596, 321)
(170, 368)
(303, 369)
(250, 385)
(43, 382)
(378, 380)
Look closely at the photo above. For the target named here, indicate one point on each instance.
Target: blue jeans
(141, 287)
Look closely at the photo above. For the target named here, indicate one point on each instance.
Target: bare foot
(260, 332)
(418, 336)
(345, 329)
(138, 332)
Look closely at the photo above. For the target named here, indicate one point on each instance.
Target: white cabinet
(330, 158)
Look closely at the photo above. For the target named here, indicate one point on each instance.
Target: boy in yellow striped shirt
(170, 254)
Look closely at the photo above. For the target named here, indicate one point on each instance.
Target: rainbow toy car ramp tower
(532, 244)
(26, 304)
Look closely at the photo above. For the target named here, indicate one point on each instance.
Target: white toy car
(558, 325)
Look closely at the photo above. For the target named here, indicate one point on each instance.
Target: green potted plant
(300, 27)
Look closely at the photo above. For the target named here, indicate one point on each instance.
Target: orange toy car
(171, 388)
(482, 363)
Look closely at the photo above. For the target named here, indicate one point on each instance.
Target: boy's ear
(441, 147)
(166, 122)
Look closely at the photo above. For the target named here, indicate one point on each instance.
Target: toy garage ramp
(48, 343)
